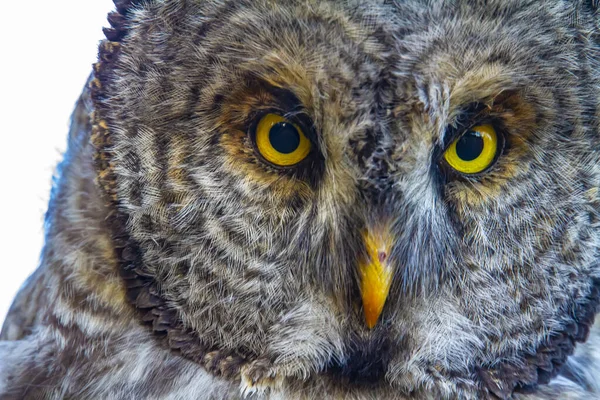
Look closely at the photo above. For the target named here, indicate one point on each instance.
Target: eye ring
(474, 151)
(280, 141)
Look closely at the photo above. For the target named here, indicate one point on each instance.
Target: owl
(310, 199)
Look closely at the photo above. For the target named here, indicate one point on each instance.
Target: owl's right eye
(280, 141)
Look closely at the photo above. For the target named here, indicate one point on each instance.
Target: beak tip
(372, 314)
(371, 323)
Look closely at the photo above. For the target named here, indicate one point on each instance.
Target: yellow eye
(281, 142)
(474, 151)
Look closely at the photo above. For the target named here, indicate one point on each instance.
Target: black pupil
(284, 137)
(469, 146)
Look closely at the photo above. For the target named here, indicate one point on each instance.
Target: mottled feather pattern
(179, 264)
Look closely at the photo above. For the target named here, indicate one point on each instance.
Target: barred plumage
(179, 263)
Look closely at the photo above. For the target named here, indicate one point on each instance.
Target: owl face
(394, 195)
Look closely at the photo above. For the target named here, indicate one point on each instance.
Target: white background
(46, 52)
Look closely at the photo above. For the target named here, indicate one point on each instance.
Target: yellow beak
(375, 275)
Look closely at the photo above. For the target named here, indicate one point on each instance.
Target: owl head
(359, 195)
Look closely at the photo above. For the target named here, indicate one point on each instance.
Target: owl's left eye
(474, 151)
(280, 141)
